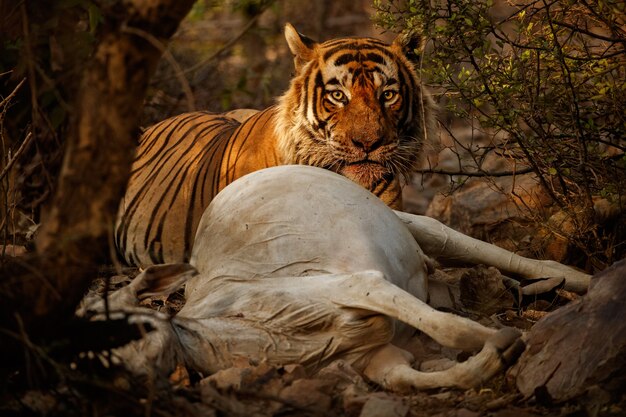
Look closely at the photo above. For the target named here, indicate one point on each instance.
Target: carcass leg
(443, 243)
(391, 368)
(369, 290)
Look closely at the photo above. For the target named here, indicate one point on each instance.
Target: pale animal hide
(296, 264)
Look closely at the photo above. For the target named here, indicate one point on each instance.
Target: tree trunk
(580, 349)
(42, 291)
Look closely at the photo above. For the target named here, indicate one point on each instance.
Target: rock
(228, 379)
(497, 210)
(242, 377)
(581, 347)
(309, 394)
(443, 290)
(483, 291)
(291, 372)
(343, 376)
(13, 250)
(388, 406)
(461, 412)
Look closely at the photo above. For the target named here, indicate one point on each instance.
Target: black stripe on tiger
(318, 90)
(182, 162)
(351, 44)
(173, 186)
(359, 57)
(152, 137)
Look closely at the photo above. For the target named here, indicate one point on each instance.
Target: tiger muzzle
(367, 145)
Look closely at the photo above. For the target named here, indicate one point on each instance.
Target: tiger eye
(338, 95)
(348, 88)
(389, 95)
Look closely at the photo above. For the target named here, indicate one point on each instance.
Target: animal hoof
(510, 355)
(508, 344)
(504, 338)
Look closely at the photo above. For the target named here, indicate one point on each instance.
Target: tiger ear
(301, 47)
(411, 44)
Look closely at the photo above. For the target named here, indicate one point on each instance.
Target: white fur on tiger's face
(356, 108)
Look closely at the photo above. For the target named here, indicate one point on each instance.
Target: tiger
(355, 106)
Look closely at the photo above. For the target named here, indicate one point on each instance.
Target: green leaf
(95, 17)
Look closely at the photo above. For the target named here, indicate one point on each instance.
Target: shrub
(548, 80)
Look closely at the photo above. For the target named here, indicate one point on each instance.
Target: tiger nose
(367, 145)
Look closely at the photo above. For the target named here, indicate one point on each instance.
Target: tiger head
(355, 106)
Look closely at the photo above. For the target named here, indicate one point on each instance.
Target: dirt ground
(86, 383)
(75, 377)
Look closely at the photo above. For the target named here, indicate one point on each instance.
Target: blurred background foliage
(232, 53)
(226, 54)
(43, 47)
(544, 84)
(534, 88)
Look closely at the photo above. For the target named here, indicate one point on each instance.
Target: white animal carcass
(296, 264)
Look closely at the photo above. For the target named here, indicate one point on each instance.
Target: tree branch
(481, 173)
(16, 155)
(98, 155)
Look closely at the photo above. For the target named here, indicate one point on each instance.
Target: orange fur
(355, 107)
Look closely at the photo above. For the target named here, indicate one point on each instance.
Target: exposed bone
(299, 265)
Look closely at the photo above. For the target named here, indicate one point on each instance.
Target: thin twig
(13, 93)
(474, 173)
(180, 74)
(226, 46)
(588, 32)
(34, 104)
(284, 401)
(16, 155)
(574, 107)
